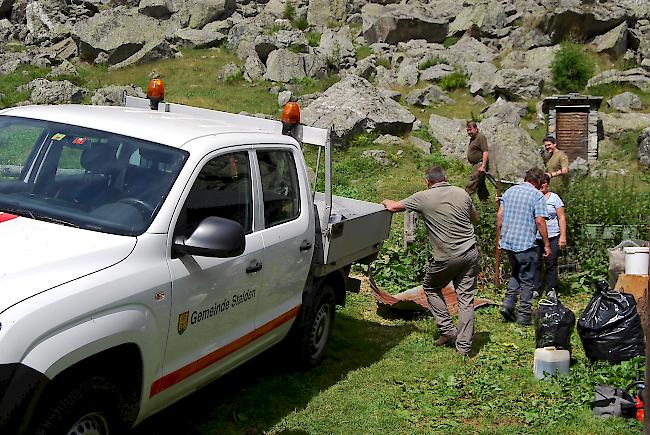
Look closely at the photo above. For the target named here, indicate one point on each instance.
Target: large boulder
(518, 84)
(613, 42)
(120, 36)
(468, 49)
(393, 23)
(324, 12)
(644, 147)
(625, 102)
(506, 111)
(198, 38)
(56, 92)
(161, 9)
(113, 95)
(202, 12)
(512, 150)
(336, 46)
(582, 20)
(427, 96)
(637, 77)
(617, 124)
(6, 30)
(284, 65)
(481, 77)
(352, 106)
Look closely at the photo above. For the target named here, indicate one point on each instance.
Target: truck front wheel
(91, 407)
(315, 327)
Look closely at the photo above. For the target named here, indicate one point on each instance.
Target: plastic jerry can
(549, 361)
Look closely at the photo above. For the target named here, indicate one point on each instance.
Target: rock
(5, 6)
(436, 72)
(324, 12)
(161, 9)
(468, 49)
(582, 20)
(524, 38)
(283, 66)
(40, 20)
(113, 95)
(417, 125)
(6, 29)
(420, 144)
(366, 67)
(9, 62)
(505, 111)
(617, 124)
(481, 77)
(230, 72)
(578, 168)
(389, 93)
(202, 12)
(393, 23)
(254, 69)
(284, 97)
(518, 84)
(479, 100)
(293, 39)
(352, 106)
(637, 77)
(644, 147)
(65, 69)
(380, 156)
(56, 92)
(388, 139)
(198, 38)
(625, 102)
(408, 73)
(336, 46)
(62, 50)
(428, 95)
(121, 36)
(613, 42)
(451, 134)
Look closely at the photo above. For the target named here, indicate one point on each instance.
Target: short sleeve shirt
(558, 160)
(521, 205)
(553, 202)
(476, 148)
(446, 212)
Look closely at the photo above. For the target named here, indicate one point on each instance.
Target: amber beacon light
(290, 116)
(155, 92)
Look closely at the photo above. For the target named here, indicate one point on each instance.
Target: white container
(636, 260)
(549, 361)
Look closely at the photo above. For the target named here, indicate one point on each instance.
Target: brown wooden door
(573, 134)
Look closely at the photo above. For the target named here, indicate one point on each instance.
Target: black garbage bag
(553, 324)
(610, 326)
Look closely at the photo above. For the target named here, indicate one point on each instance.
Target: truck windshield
(84, 178)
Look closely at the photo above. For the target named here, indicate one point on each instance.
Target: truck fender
(102, 331)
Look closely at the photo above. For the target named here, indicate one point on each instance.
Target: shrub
(450, 41)
(571, 68)
(313, 38)
(383, 61)
(363, 52)
(455, 80)
(362, 140)
(300, 23)
(289, 11)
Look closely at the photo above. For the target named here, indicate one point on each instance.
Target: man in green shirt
(477, 155)
(449, 215)
(557, 166)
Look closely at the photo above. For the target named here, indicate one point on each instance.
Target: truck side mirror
(214, 237)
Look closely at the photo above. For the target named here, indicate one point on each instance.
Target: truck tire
(90, 407)
(315, 327)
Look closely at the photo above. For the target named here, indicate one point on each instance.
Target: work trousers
(549, 263)
(462, 271)
(521, 283)
(476, 184)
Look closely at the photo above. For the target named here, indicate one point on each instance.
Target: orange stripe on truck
(175, 377)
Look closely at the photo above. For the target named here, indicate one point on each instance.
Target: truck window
(223, 188)
(16, 144)
(280, 188)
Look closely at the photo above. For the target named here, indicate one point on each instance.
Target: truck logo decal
(171, 379)
(4, 217)
(182, 322)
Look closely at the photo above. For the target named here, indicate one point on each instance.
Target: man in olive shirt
(557, 166)
(448, 214)
(477, 155)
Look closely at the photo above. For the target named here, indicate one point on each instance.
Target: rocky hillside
(498, 49)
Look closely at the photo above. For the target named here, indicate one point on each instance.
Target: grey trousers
(462, 271)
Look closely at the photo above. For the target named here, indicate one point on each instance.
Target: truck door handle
(254, 267)
(305, 246)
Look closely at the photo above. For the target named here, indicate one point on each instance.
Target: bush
(430, 62)
(313, 38)
(455, 80)
(450, 41)
(383, 61)
(363, 52)
(300, 23)
(571, 68)
(289, 11)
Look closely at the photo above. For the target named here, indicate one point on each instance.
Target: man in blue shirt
(522, 212)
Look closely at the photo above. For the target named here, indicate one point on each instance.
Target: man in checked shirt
(522, 212)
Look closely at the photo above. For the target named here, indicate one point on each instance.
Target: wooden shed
(573, 121)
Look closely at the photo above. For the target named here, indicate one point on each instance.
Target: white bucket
(636, 260)
(550, 361)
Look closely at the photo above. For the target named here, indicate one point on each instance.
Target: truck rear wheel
(315, 327)
(91, 407)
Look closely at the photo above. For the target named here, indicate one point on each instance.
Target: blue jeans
(521, 283)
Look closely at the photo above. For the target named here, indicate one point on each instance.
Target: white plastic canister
(636, 260)
(549, 361)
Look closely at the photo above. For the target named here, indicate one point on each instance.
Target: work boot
(507, 313)
(449, 340)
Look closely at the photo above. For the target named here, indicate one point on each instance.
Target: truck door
(213, 299)
(288, 235)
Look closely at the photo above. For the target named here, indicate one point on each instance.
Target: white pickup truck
(147, 252)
